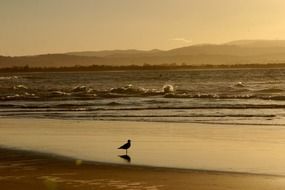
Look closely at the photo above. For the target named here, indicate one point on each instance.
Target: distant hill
(114, 53)
(48, 60)
(258, 43)
(235, 52)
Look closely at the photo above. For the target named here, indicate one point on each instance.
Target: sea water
(238, 96)
(226, 120)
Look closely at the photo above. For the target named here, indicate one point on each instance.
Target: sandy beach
(232, 148)
(65, 154)
(29, 170)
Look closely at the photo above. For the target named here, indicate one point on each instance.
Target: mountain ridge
(234, 52)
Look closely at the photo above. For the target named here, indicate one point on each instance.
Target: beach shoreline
(229, 148)
(52, 154)
(32, 170)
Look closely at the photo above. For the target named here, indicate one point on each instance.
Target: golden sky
(49, 26)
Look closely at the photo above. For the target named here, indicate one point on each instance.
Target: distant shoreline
(139, 67)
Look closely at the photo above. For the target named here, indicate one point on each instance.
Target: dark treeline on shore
(136, 67)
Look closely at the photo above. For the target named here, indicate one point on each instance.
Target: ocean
(219, 96)
(224, 120)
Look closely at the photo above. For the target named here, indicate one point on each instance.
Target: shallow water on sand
(238, 148)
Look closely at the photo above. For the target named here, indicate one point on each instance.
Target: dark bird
(126, 146)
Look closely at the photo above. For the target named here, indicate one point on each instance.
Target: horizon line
(134, 49)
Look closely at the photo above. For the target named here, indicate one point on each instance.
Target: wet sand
(26, 170)
(232, 148)
(52, 154)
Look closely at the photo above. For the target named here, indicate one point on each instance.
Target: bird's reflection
(126, 157)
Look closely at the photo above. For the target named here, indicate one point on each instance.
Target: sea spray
(168, 88)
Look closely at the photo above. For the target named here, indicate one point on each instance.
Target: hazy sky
(48, 26)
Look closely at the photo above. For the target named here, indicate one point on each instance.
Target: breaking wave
(82, 92)
(240, 85)
(9, 78)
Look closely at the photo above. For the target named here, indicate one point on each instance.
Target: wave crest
(82, 92)
(9, 78)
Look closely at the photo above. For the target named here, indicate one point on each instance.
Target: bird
(126, 146)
